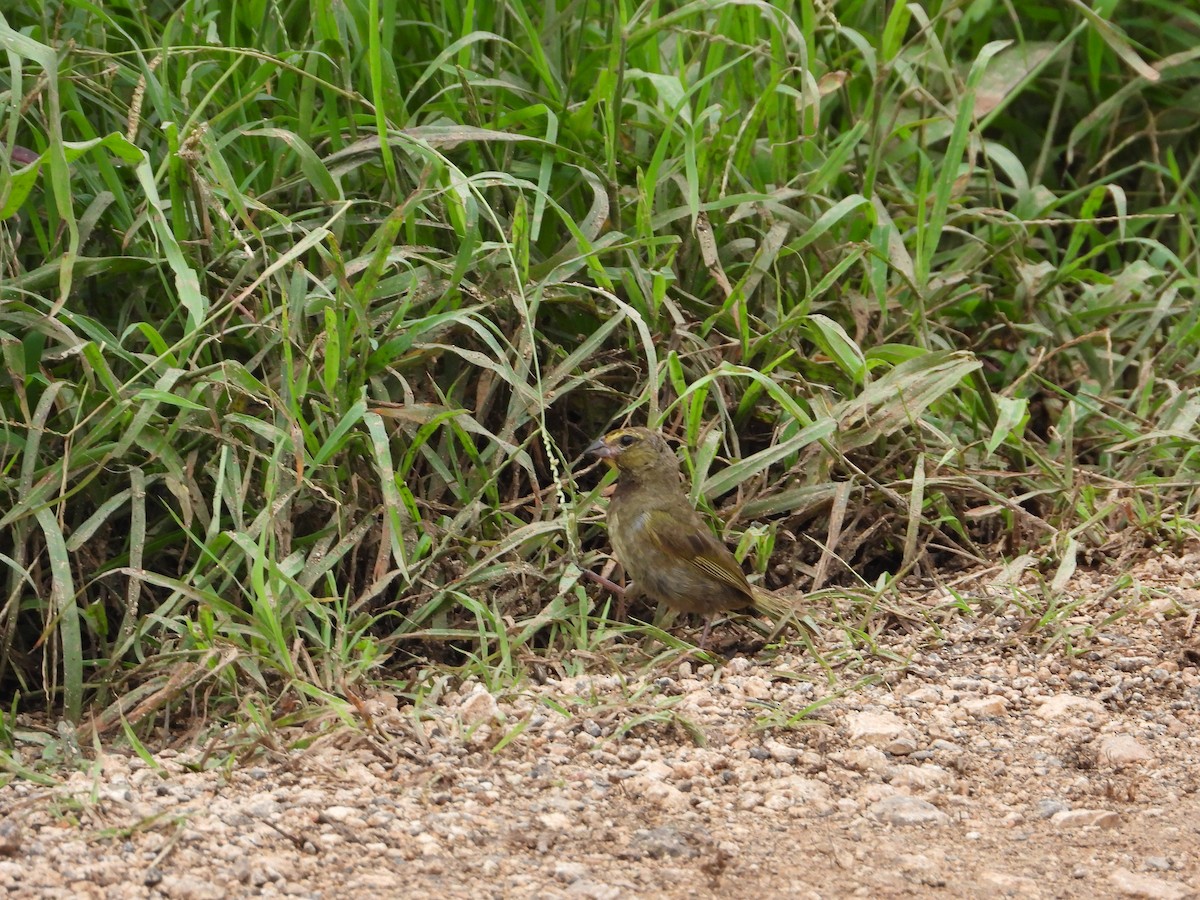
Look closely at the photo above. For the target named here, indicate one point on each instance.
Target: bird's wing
(690, 540)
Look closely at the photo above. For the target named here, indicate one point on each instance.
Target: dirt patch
(1006, 753)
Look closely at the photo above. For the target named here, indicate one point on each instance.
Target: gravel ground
(980, 762)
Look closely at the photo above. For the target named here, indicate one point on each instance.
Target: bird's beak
(601, 450)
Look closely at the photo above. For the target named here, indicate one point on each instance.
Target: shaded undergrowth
(307, 312)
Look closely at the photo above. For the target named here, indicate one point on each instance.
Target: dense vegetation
(307, 310)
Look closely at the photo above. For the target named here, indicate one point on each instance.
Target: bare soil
(1011, 749)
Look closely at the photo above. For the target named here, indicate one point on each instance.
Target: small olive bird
(662, 542)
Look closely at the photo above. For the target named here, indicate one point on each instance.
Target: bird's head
(635, 451)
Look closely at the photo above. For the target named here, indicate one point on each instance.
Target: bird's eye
(626, 440)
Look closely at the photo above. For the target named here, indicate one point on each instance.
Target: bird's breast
(625, 532)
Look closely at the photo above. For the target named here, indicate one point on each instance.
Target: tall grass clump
(308, 309)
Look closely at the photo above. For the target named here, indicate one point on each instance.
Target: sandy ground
(988, 754)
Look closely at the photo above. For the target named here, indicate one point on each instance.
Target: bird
(661, 541)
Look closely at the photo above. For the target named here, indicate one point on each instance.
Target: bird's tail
(781, 608)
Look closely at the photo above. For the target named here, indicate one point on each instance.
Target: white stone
(1079, 818)
(984, 706)
(1133, 884)
(902, 810)
(919, 778)
(480, 706)
(1119, 750)
(1067, 704)
(862, 759)
(663, 795)
(884, 730)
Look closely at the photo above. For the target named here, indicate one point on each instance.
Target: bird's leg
(622, 594)
(632, 592)
(703, 645)
(605, 583)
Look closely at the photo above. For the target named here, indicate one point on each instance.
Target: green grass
(307, 312)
